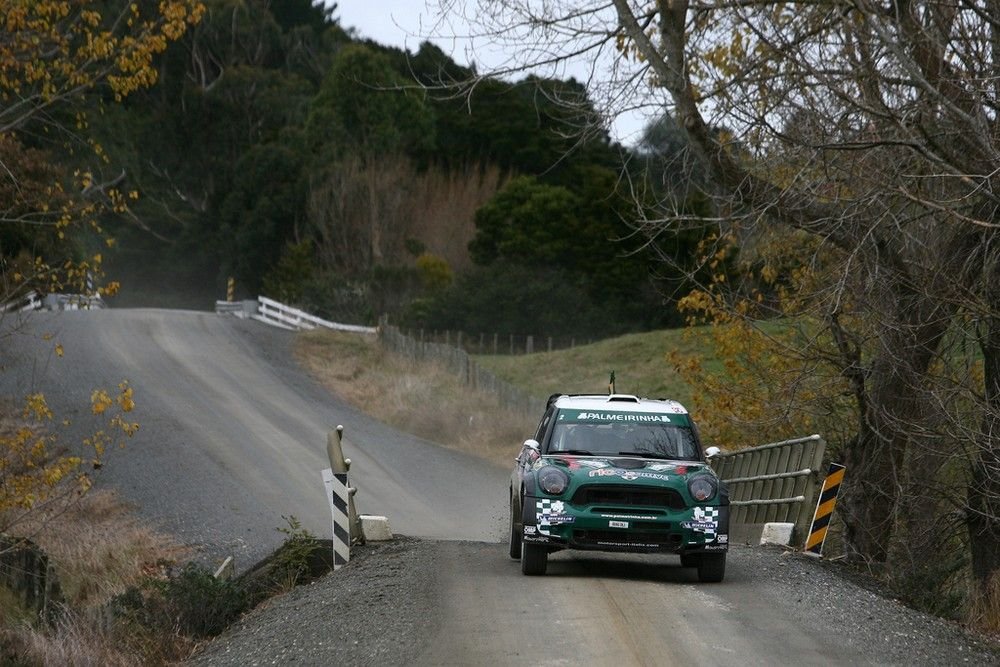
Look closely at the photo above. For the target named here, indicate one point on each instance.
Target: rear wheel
(534, 559)
(711, 567)
(515, 533)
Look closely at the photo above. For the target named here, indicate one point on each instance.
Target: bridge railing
(776, 482)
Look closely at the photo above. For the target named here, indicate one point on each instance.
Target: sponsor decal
(716, 547)
(623, 417)
(705, 520)
(699, 526)
(535, 538)
(529, 530)
(550, 513)
(631, 545)
(557, 519)
(628, 475)
(634, 517)
(722, 539)
(618, 524)
(591, 463)
(652, 418)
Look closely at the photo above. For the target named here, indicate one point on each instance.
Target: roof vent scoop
(623, 398)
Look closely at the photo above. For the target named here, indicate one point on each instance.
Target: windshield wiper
(581, 452)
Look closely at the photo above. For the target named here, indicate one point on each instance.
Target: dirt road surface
(232, 438)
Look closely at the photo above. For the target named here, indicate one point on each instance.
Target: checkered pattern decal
(544, 509)
(707, 515)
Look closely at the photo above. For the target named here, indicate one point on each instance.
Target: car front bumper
(561, 525)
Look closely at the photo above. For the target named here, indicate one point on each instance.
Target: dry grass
(984, 612)
(421, 398)
(98, 549)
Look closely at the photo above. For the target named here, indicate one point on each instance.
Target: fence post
(496, 339)
(529, 345)
(815, 481)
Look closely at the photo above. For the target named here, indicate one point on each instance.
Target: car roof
(618, 403)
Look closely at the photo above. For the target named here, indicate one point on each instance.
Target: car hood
(618, 469)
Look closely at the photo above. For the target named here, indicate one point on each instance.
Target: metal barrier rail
(29, 301)
(776, 482)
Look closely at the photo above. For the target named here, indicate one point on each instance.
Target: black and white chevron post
(337, 492)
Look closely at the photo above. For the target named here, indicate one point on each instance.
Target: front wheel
(515, 534)
(689, 560)
(711, 568)
(534, 559)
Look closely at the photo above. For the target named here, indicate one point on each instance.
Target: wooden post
(496, 339)
(529, 345)
(550, 343)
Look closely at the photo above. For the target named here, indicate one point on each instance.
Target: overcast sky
(407, 23)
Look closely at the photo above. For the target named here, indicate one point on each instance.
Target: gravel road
(232, 438)
(390, 606)
(233, 434)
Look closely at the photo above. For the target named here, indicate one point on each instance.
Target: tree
(872, 130)
(363, 129)
(55, 59)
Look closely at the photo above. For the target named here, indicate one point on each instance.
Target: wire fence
(496, 343)
(457, 360)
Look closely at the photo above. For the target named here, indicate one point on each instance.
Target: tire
(534, 559)
(711, 568)
(515, 534)
(689, 560)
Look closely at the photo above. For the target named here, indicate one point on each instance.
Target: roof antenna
(611, 383)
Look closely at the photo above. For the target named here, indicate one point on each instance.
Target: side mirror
(531, 451)
(712, 451)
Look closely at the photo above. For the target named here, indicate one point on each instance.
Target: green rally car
(617, 473)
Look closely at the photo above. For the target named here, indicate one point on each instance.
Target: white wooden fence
(279, 315)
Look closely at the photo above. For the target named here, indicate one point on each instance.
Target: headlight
(702, 488)
(552, 480)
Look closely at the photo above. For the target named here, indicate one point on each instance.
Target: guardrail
(30, 301)
(776, 482)
(73, 302)
(279, 315)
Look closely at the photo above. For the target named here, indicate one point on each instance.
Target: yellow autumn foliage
(36, 463)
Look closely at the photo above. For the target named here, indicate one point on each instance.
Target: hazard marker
(824, 509)
(338, 495)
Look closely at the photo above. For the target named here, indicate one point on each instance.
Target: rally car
(617, 473)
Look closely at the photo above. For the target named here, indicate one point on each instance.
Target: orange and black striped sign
(824, 509)
(230, 289)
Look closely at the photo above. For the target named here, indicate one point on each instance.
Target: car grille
(627, 496)
(627, 539)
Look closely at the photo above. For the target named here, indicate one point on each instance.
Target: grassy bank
(420, 398)
(639, 361)
(426, 399)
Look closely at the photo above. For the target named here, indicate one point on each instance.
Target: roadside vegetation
(424, 399)
(814, 191)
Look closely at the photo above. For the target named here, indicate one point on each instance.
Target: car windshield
(623, 434)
